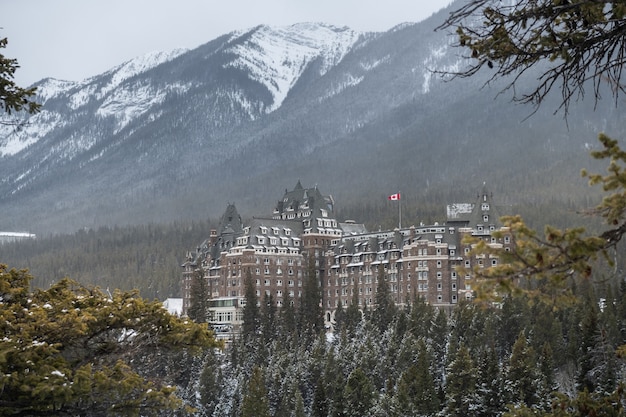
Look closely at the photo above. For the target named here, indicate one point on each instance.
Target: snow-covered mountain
(177, 134)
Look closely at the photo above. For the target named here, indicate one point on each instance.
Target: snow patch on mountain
(347, 80)
(136, 66)
(82, 96)
(368, 66)
(129, 102)
(51, 87)
(14, 140)
(276, 57)
(436, 62)
(91, 89)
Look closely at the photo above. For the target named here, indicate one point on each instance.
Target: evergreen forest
(523, 357)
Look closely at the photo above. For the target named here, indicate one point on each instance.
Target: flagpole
(399, 212)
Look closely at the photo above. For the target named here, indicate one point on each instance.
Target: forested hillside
(145, 257)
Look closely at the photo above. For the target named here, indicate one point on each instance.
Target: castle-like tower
(418, 261)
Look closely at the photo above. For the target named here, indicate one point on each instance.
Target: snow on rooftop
(174, 306)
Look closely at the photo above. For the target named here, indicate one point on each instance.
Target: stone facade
(418, 261)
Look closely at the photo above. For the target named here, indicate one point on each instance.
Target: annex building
(276, 250)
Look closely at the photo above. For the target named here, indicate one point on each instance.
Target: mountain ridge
(176, 135)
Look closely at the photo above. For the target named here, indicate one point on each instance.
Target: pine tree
(269, 318)
(12, 97)
(417, 394)
(489, 384)
(514, 318)
(310, 312)
(251, 315)
(461, 397)
(199, 298)
(421, 317)
(288, 321)
(299, 406)
(547, 369)
(522, 377)
(358, 394)
(353, 314)
(211, 382)
(385, 307)
(255, 403)
(74, 350)
(319, 407)
(340, 319)
(513, 39)
(439, 339)
(588, 337)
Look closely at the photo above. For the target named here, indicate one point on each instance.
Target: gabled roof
(230, 228)
(305, 203)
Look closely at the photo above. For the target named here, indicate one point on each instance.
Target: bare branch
(575, 44)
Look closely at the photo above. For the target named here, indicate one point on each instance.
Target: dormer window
(264, 230)
(485, 206)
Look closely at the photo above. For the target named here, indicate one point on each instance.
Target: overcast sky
(75, 39)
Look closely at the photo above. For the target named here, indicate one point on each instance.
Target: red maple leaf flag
(394, 197)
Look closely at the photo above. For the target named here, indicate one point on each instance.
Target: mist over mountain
(178, 134)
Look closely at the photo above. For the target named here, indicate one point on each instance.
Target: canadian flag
(394, 196)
